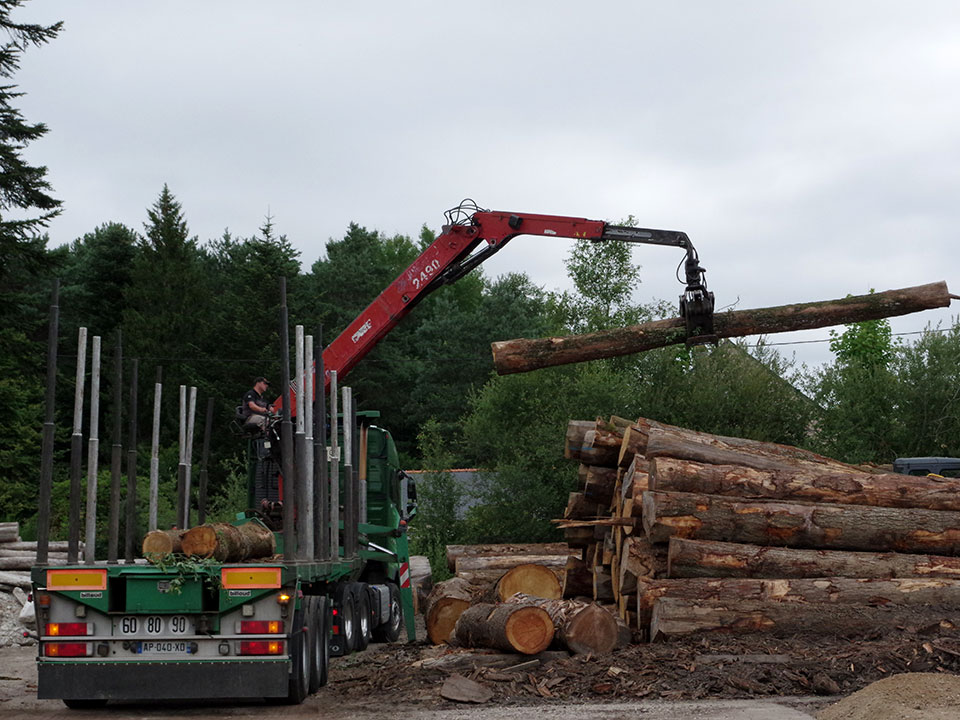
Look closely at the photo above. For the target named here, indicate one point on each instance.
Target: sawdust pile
(910, 696)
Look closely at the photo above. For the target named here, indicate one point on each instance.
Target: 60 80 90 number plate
(133, 625)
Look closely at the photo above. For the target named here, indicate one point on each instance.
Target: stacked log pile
(508, 597)
(21, 555)
(690, 532)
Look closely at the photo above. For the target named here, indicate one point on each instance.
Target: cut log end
(530, 579)
(529, 630)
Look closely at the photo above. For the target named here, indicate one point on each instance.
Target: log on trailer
(526, 629)
(770, 522)
(524, 355)
(673, 617)
(708, 558)
(229, 543)
(581, 627)
(806, 484)
(162, 542)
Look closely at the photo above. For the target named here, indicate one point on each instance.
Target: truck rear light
(283, 598)
(67, 649)
(43, 600)
(260, 627)
(69, 629)
(261, 647)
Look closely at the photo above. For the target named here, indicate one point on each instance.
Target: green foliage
(439, 498)
(205, 570)
(866, 344)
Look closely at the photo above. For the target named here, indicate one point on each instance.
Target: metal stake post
(155, 452)
(93, 451)
(321, 489)
(204, 458)
(286, 434)
(76, 451)
(305, 481)
(46, 453)
(187, 489)
(131, 523)
(334, 457)
(116, 453)
(182, 464)
(349, 496)
(300, 441)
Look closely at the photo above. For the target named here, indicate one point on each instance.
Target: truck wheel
(85, 704)
(347, 616)
(300, 660)
(390, 630)
(320, 645)
(363, 615)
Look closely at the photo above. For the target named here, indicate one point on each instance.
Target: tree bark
(577, 579)
(579, 506)
(639, 558)
(599, 483)
(767, 522)
(573, 439)
(805, 484)
(228, 543)
(444, 605)
(10, 533)
(526, 629)
(602, 584)
(524, 355)
(707, 558)
(491, 550)
(581, 627)
(162, 542)
(673, 617)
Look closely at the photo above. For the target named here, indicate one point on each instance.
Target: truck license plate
(172, 647)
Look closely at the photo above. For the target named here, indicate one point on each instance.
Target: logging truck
(325, 491)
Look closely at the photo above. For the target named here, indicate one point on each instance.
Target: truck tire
(345, 603)
(389, 631)
(85, 704)
(299, 686)
(320, 644)
(364, 619)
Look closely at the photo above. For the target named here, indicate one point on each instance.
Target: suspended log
(444, 605)
(526, 629)
(581, 627)
(157, 543)
(524, 355)
(577, 579)
(707, 558)
(530, 579)
(768, 522)
(819, 591)
(673, 617)
(492, 550)
(229, 543)
(489, 569)
(807, 484)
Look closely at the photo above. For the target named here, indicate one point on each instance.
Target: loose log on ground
(577, 579)
(581, 627)
(767, 522)
(5, 553)
(525, 629)
(707, 558)
(534, 580)
(10, 533)
(523, 355)
(12, 579)
(53, 546)
(819, 591)
(157, 543)
(229, 543)
(807, 484)
(488, 569)
(444, 605)
(25, 563)
(495, 549)
(673, 617)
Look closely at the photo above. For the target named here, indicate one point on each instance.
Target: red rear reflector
(261, 647)
(260, 627)
(68, 629)
(336, 629)
(68, 649)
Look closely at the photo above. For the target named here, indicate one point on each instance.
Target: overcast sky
(810, 149)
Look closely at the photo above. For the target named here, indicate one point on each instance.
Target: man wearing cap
(254, 407)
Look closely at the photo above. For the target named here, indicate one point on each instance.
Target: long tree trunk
(525, 629)
(444, 605)
(673, 617)
(498, 549)
(767, 522)
(805, 484)
(818, 591)
(523, 355)
(708, 558)
(488, 569)
(229, 543)
(581, 627)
